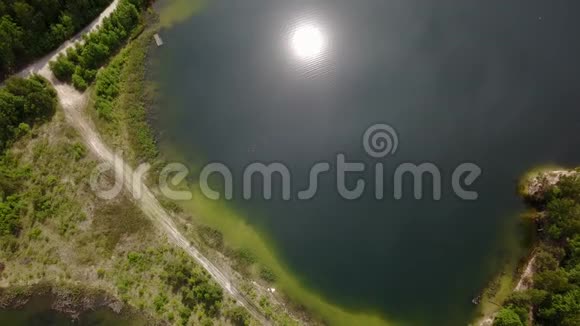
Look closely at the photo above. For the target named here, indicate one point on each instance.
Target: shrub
(238, 316)
(24, 102)
(267, 275)
(507, 317)
(79, 82)
(22, 130)
(10, 216)
(62, 68)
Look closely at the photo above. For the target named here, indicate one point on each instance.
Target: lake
(37, 311)
(494, 83)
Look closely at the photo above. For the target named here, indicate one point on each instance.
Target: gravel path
(73, 103)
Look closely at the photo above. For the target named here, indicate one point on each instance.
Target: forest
(554, 298)
(30, 29)
(79, 65)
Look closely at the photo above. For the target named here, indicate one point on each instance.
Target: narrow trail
(527, 275)
(73, 103)
(523, 284)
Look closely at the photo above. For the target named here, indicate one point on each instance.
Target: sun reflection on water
(308, 43)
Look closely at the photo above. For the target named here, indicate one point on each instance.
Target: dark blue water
(496, 83)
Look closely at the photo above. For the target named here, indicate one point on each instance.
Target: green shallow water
(490, 83)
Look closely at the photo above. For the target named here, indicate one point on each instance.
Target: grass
(69, 236)
(119, 99)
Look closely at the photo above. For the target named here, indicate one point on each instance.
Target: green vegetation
(81, 62)
(554, 298)
(31, 28)
(110, 245)
(24, 102)
(119, 99)
(34, 191)
(194, 284)
(57, 231)
(179, 291)
(507, 317)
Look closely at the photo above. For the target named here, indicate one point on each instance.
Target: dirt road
(73, 103)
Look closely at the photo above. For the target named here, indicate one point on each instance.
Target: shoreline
(267, 254)
(531, 188)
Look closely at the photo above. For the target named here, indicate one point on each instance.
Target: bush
(545, 261)
(267, 275)
(79, 82)
(10, 216)
(194, 284)
(62, 68)
(24, 102)
(104, 110)
(160, 302)
(78, 151)
(22, 130)
(507, 317)
(238, 316)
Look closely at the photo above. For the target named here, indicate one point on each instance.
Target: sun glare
(307, 42)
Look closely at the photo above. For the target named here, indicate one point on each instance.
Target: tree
(545, 261)
(555, 281)
(24, 14)
(574, 250)
(98, 45)
(24, 100)
(29, 29)
(39, 105)
(11, 36)
(556, 294)
(507, 317)
(563, 217)
(62, 68)
(79, 82)
(94, 55)
(563, 309)
(9, 116)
